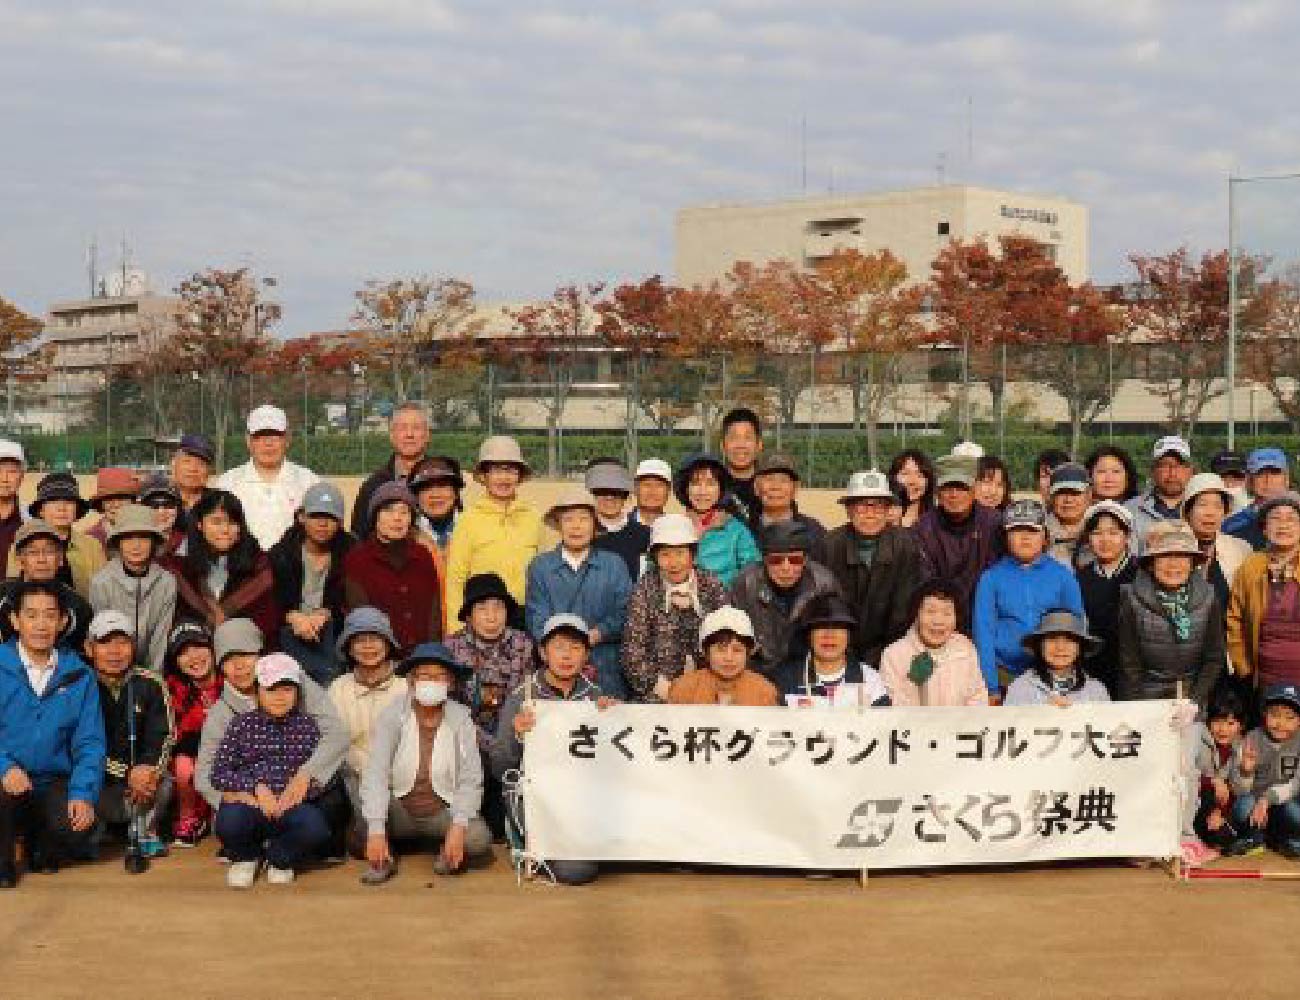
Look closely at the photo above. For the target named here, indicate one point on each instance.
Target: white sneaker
(241, 874)
(279, 876)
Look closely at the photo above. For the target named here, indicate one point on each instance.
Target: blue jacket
(1010, 598)
(597, 593)
(1245, 525)
(725, 550)
(57, 735)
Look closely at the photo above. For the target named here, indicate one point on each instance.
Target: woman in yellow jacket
(1264, 607)
(498, 533)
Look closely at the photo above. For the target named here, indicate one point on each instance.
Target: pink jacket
(957, 679)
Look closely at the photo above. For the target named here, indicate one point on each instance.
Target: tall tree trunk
(874, 398)
(633, 412)
(857, 393)
(1076, 403)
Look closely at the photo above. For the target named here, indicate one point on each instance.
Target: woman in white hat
(1207, 501)
(667, 605)
(498, 532)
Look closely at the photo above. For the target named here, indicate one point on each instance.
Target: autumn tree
(703, 335)
(1271, 340)
(402, 317)
(631, 321)
(17, 330)
(221, 333)
(863, 305)
(552, 338)
(1181, 309)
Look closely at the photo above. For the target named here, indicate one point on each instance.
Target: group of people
(239, 655)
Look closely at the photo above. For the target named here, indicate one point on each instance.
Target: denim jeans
(248, 834)
(1281, 830)
(319, 659)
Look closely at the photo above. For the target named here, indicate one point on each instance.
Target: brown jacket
(1246, 606)
(702, 687)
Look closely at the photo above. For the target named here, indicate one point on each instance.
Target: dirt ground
(1066, 931)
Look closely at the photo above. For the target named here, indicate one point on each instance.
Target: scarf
(866, 548)
(1177, 608)
(921, 668)
(681, 596)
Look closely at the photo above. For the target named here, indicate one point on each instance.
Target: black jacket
(386, 473)
(286, 567)
(777, 631)
(154, 731)
(79, 615)
(1101, 605)
(789, 679)
(1152, 661)
(880, 595)
(629, 543)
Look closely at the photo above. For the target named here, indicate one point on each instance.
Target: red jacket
(190, 709)
(251, 596)
(399, 579)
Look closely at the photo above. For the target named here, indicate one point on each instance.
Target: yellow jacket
(491, 538)
(1246, 607)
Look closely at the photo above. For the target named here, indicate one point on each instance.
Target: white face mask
(430, 694)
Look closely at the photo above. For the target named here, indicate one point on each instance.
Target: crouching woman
(423, 780)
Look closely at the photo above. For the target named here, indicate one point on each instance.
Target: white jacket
(269, 505)
(455, 768)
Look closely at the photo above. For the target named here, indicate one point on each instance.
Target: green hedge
(838, 453)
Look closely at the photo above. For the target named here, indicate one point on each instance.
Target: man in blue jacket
(52, 746)
(1013, 593)
(578, 579)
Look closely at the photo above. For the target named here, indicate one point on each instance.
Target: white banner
(851, 788)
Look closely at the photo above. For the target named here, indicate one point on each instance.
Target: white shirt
(38, 677)
(269, 504)
(575, 562)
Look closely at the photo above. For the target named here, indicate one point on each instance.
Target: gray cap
(236, 635)
(323, 498)
(954, 470)
(366, 621)
(608, 476)
(1025, 514)
(1069, 476)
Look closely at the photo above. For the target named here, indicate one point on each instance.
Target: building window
(945, 228)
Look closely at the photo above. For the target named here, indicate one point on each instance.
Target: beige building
(914, 225)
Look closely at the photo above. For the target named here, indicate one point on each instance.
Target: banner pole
(1176, 868)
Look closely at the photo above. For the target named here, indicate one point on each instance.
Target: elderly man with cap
(269, 486)
(52, 744)
(665, 610)
(424, 778)
(1268, 475)
(237, 646)
(652, 488)
(564, 649)
(114, 489)
(775, 592)
(498, 533)
(408, 432)
(576, 578)
(1171, 468)
(1264, 609)
(38, 551)
(958, 538)
(133, 583)
(59, 504)
(437, 484)
(191, 468)
(308, 567)
(616, 530)
(876, 565)
(13, 467)
(138, 729)
(1068, 497)
(776, 484)
(391, 571)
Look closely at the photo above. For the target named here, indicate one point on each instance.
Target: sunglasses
(789, 558)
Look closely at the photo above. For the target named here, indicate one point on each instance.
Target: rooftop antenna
(941, 167)
(92, 266)
(970, 133)
(125, 257)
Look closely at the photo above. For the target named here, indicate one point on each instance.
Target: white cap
(655, 467)
(967, 449)
(726, 619)
(12, 451)
(673, 529)
(268, 418)
(1172, 444)
(276, 668)
(107, 623)
(870, 485)
(1116, 510)
(571, 623)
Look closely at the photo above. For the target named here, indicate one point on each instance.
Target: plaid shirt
(499, 667)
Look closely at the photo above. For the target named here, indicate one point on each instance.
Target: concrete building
(914, 225)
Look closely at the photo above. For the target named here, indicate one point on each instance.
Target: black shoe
(8, 876)
(40, 860)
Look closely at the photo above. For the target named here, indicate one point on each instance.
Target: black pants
(40, 817)
(1224, 835)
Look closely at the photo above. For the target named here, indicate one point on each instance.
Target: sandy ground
(1068, 931)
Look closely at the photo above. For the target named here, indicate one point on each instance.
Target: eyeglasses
(788, 558)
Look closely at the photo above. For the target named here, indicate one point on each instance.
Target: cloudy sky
(527, 144)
